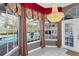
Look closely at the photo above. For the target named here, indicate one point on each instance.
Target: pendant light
(55, 16)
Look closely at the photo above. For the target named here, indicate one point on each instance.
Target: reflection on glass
(3, 46)
(71, 14)
(50, 30)
(8, 32)
(68, 34)
(33, 30)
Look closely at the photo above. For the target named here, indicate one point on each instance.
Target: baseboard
(39, 48)
(50, 46)
(33, 50)
(72, 53)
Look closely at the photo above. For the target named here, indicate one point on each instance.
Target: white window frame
(14, 48)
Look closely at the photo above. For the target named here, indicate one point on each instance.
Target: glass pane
(10, 42)
(3, 45)
(71, 14)
(9, 27)
(33, 30)
(3, 35)
(13, 28)
(50, 30)
(68, 16)
(78, 11)
(69, 35)
(16, 39)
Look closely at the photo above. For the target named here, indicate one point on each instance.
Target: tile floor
(49, 51)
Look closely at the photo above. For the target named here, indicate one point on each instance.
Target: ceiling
(47, 5)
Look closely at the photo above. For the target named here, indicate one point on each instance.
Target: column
(23, 41)
(59, 35)
(42, 35)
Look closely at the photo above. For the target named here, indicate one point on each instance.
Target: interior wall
(33, 45)
(50, 43)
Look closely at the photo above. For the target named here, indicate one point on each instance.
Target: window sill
(33, 42)
(50, 39)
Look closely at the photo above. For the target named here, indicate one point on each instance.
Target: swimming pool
(14, 38)
(7, 43)
(9, 38)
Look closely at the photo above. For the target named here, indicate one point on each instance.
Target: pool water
(12, 38)
(36, 35)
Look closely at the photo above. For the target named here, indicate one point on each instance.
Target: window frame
(13, 33)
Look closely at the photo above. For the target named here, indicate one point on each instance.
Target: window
(68, 17)
(78, 11)
(72, 13)
(9, 27)
(50, 30)
(69, 35)
(33, 30)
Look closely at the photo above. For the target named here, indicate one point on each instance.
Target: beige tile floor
(49, 51)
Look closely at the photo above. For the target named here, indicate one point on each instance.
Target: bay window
(9, 27)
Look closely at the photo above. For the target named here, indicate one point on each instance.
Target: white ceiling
(47, 5)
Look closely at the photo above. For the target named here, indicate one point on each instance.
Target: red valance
(39, 8)
(36, 7)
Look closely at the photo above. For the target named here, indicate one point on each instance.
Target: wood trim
(42, 35)
(12, 6)
(23, 42)
(59, 35)
(40, 16)
(18, 9)
(29, 13)
(35, 15)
